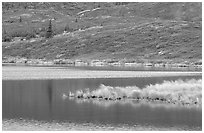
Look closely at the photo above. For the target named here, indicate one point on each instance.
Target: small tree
(49, 30)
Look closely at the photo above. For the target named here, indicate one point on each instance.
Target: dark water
(43, 100)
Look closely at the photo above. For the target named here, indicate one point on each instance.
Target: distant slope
(171, 31)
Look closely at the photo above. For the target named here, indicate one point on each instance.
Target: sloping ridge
(132, 30)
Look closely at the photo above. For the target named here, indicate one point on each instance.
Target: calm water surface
(43, 100)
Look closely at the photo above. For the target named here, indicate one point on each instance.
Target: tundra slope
(152, 31)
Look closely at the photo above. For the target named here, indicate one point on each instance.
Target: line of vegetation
(181, 92)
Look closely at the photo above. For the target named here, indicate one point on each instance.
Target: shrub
(6, 38)
(29, 36)
(178, 91)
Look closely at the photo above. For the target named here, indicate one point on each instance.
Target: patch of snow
(103, 17)
(83, 12)
(43, 20)
(26, 15)
(160, 52)
(94, 27)
(81, 15)
(59, 55)
(16, 17)
(33, 40)
(95, 9)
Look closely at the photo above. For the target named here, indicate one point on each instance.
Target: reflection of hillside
(50, 93)
(133, 103)
(28, 98)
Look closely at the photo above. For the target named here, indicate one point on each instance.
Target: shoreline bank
(28, 73)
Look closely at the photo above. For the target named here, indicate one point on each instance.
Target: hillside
(164, 31)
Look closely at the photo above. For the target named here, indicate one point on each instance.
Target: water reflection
(49, 92)
(43, 100)
(133, 103)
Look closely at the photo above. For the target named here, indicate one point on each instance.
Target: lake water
(43, 100)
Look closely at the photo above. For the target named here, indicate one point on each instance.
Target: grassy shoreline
(28, 73)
